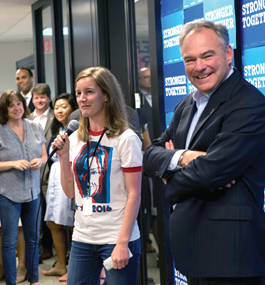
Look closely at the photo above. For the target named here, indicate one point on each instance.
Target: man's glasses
(145, 77)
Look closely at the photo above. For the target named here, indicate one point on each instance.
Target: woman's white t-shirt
(114, 156)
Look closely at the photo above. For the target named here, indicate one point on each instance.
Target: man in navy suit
(24, 80)
(217, 135)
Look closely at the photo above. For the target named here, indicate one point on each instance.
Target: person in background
(1, 262)
(43, 114)
(24, 80)
(132, 115)
(148, 184)
(58, 212)
(22, 153)
(101, 167)
(217, 135)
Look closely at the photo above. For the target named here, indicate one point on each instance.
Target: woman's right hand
(22, 164)
(62, 143)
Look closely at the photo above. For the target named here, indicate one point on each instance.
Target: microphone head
(72, 126)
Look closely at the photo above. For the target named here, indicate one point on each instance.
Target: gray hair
(197, 25)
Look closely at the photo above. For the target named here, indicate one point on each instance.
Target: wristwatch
(180, 159)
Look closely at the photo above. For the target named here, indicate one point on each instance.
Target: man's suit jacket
(31, 106)
(146, 116)
(133, 119)
(48, 136)
(217, 232)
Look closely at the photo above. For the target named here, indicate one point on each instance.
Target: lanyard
(94, 153)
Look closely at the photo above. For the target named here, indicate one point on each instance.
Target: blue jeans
(9, 215)
(86, 262)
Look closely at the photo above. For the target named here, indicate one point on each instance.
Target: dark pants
(46, 236)
(227, 281)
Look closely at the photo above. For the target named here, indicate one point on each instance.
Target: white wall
(10, 52)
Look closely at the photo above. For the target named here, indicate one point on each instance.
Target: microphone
(72, 126)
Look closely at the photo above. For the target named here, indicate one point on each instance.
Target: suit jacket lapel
(184, 124)
(48, 122)
(210, 108)
(222, 94)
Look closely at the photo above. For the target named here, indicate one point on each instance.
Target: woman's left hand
(36, 163)
(120, 256)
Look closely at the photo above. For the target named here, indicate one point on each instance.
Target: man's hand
(229, 185)
(190, 155)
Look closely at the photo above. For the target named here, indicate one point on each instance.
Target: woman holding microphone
(101, 166)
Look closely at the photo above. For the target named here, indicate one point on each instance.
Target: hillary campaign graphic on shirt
(253, 23)
(253, 65)
(97, 185)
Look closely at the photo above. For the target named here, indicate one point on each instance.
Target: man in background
(24, 80)
(146, 122)
(43, 114)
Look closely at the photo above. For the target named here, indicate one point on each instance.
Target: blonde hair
(115, 109)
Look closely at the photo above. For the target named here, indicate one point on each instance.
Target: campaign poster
(179, 279)
(175, 85)
(171, 27)
(190, 87)
(222, 12)
(253, 23)
(190, 3)
(169, 7)
(169, 117)
(143, 56)
(253, 66)
(193, 13)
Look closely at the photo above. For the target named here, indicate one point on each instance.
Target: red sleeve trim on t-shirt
(133, 169)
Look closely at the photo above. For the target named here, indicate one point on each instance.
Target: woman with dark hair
(22, 153)
(101, 166)
(58, 211)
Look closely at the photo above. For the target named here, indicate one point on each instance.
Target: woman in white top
(101, 166)
(58, 212)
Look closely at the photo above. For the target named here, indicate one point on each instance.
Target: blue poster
(190, 3)
(253, 65)
(253, 23)
(169, 7)
(169, 117)
(222, 12)
(171, 27)
(175, 85)
(190, 87)
(192, 13)
(179, 279)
